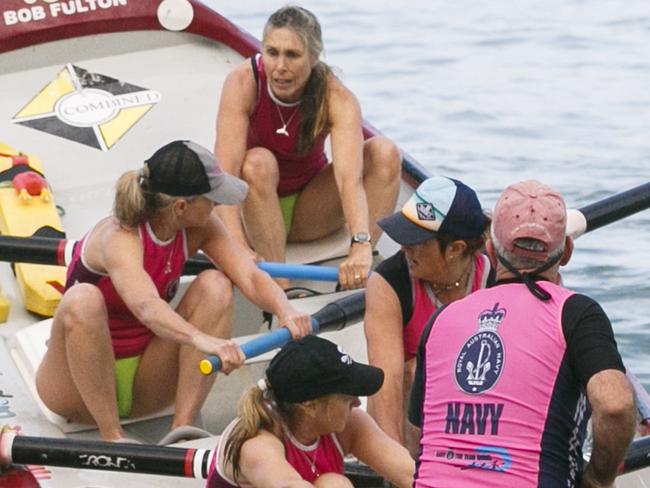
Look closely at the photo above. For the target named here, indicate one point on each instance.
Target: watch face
(361, 237)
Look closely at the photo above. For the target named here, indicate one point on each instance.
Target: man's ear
(568, 251)
(491, 253)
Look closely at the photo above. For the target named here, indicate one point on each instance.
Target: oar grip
(300, 271)
(255, 347)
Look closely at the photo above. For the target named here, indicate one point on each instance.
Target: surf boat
(89, 89)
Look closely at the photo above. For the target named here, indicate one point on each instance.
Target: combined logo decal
(480, 361)
(87, 108)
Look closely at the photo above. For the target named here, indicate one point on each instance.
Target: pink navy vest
(424, 304)
(295, 170)
(163, 262)
(324, 456)
(501, 406)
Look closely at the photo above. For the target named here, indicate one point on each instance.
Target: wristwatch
(360, 238)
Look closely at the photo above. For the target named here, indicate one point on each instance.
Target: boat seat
(335, 245)
(28, 351)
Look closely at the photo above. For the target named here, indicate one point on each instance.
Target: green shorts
(125, 370)
(287, 205)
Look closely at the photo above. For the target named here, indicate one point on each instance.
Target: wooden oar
(333, 316)
(48, 250)
(166, 461)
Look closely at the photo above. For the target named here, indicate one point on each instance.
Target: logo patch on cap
(425, 211)
(345, 358)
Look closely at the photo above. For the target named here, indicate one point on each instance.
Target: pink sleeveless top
(501, 406)
(324, 456)
(163, 262)
(295, 170)
(425, 303)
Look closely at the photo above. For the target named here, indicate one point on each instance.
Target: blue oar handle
(256, 347)
(300, 271)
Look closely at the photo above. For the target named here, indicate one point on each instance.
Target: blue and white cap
(439, 205)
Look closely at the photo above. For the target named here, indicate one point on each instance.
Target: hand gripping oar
(48, 250)
(166, 461)
(333, 316)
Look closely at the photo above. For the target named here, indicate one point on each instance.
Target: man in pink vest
(508, 377)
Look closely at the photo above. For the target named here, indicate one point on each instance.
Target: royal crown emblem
(491, 319)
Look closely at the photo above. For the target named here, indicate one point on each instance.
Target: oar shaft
(36, 250)
(254, 347)
(616, 207)
(300, 271)
(637, 457)
(333, 316)
(107, 456)
(48, 250)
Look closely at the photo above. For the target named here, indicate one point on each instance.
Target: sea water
(495, 92)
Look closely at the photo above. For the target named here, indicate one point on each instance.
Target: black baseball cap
(312, 367)
(186, 169)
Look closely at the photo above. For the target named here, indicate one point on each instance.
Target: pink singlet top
(323, 456)
(295, 170)
(425, 303)
(501, 406)
(163, 262)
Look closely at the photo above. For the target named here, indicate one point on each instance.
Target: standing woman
(276, 110)
(442, 230)
(296, 426)
(117, 348)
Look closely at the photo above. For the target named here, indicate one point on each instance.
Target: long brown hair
(314, 98)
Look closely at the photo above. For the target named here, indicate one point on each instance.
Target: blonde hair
(133, 203)
(259, 410)
(314, 98)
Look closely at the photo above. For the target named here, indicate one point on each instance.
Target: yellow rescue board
(23, 214)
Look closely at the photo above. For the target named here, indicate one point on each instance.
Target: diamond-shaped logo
(88, 108)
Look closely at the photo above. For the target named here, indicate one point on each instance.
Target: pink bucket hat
(532, 210)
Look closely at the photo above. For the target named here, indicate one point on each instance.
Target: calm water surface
(495, 92)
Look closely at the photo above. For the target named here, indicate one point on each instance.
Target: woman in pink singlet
(276, 111)
(296, 426)
(117, 347)
(441, 229)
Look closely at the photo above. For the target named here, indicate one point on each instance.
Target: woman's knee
(212, 288)
(82, 305)
(260, 169)
(333, 480)
(382, 155)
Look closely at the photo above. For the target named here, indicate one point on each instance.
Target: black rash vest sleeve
(590, 338)
(396, 273)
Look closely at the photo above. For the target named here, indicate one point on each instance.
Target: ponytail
(133, 203)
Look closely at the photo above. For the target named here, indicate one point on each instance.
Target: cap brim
(403, 231)
(227, 189)
(364, 380)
